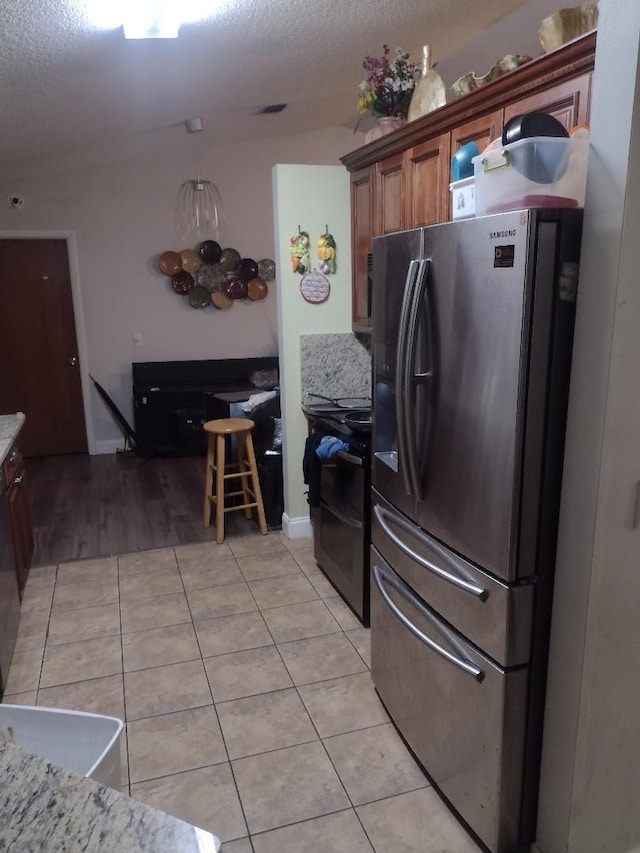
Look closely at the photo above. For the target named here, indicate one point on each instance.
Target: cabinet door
(361, 235)
(569, 102)
(427, 176)
(389, 195)
(482, 131)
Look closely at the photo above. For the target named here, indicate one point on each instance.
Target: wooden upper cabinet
(361, 235)
(427, 180)
(480, 130)
(569, 102)
(402, 180)
(389, 196)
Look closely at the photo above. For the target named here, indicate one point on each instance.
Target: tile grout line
(215, 710)
(335, 769)
(46, 638)
(124, 693)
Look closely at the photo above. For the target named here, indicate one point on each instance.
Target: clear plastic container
(463, 198)
(88, 744)
(537, 172)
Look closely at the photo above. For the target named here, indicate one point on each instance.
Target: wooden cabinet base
(19, 510)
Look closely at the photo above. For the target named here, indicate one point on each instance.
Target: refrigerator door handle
(380, 576)
(468, 586)
(411, 378)
(401, 373)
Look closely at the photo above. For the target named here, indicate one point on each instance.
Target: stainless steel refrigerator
(472, 335)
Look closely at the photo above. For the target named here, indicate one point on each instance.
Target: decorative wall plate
(257, 289)
(191, 260)
(230, 260)
(315, 286)
(248, 269)
(220, 299)
(170, 263)
(182, 282)
(210, 251)
(199, 297)
(267, 269)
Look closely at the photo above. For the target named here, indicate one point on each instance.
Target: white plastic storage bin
(463, 198)
(537, 172)
(89, 744)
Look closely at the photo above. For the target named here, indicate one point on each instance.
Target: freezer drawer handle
(341, 516)
(382, 515)
(379, 575)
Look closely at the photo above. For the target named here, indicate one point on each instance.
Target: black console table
(169, 398)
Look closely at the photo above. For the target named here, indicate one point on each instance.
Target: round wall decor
(315, 286)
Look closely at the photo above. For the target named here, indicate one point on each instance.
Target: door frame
(78, 312)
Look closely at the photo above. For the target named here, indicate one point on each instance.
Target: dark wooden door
(38, 347)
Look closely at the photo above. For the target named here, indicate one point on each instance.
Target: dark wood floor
(89, 506)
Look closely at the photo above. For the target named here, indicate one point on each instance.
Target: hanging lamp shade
(199, 209)
(199, 204)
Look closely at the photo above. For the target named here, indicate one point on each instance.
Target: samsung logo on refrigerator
(497, 235)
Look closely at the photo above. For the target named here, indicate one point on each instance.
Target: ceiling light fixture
(152, 19)
(199, 206)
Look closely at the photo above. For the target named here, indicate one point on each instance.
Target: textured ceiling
(66, 85)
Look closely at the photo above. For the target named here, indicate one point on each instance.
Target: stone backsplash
(334, 365)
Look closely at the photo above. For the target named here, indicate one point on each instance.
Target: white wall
(590, 783)
(514, 33)
(122, 214)
(309, 197)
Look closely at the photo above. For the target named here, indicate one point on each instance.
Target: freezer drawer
(496, 617)
(463, 716)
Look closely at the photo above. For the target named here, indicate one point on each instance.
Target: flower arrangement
(389, 84)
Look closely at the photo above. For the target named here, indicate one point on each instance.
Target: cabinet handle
(18, 480)
(13, 456)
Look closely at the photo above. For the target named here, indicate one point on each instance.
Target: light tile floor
(244, 683)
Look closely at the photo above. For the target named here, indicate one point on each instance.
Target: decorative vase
(386, 124)
(430, 92)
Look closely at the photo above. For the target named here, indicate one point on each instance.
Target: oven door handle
(380, 575)
(382, 515)
(352, 522)
(349, 457)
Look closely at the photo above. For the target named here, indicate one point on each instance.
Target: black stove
(341, 522)
(335, 420)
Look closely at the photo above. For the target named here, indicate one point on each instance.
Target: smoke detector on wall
(14, 201)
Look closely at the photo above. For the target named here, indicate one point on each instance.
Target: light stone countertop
(46, 809)
(10, 426)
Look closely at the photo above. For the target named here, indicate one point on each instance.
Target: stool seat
(228, 426)
(219, 471)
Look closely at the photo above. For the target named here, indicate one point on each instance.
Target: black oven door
(340, 531)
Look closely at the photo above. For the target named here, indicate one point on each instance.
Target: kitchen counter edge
(10, 426)
(48, 808)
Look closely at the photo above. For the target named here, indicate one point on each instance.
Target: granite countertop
(10, 426)
(46, 808)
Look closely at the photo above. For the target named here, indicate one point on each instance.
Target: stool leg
(208, 481)
(262, 521)
(220, 489)
(243, 467)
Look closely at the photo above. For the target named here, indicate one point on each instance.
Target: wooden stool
(244, 470)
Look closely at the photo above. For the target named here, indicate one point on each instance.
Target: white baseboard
(110, 445)
(297, 528)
